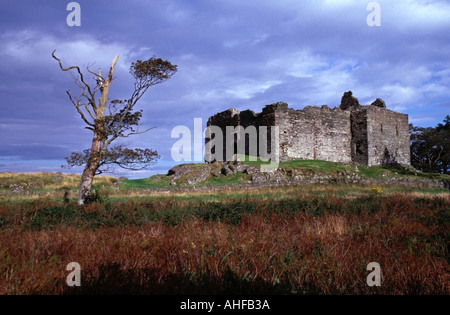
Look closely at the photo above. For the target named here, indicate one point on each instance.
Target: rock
(276, 177)
(239, 167)
(179, 170)
(258, 178)
(190, 174)
(17, 189)
(251, 170)
(200, 176)
(216, 173)
(227, 171)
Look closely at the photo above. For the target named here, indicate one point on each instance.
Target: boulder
(227, 170)
(189, 174)
(258, 178)
(199, 176)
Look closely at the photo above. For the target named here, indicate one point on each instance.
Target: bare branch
(137, 132)
(84, 83)
(77, 106)
(89, 111)
(98, 78)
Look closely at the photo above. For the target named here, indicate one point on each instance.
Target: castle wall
(229, 117)
(365, 135)
(387, 136)
(315, 133)
(247, 119)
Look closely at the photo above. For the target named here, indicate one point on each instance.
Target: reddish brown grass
(266, 253)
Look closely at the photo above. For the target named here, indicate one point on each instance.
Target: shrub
(95, 196)
(51, 217)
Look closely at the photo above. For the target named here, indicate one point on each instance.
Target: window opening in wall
(396, 131)
(381, 127)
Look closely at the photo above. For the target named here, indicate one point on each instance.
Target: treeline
(430, 147)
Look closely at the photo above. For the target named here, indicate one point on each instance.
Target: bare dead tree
(120, 121)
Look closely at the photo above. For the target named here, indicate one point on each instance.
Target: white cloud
(31, 48)
(247, 88)
(253, 40)
(416, 14)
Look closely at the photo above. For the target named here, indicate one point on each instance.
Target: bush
(95, 196)
(51, 217)
(171, 217)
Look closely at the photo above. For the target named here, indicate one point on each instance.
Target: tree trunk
(95, 156)
(90, 169)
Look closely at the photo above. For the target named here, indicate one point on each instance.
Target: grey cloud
(34, 151)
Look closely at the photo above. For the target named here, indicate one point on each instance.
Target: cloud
(248, 88)
(420, 15)
(34, 151)
(445, 105)
(421, 120)
(28, 48)
(242, 54)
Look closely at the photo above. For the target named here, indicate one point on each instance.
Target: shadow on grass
(113, 280)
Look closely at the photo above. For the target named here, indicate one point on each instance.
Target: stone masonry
(351, 133)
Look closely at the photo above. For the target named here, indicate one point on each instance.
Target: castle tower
(379, 136)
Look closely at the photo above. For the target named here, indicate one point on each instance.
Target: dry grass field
(315, 239)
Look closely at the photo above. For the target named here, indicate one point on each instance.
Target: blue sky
(243, 54)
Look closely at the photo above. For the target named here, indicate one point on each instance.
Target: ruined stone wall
(387, 137)
(229, 117)
(315, 133)
(333, 136)
(246, 119)
(365, 135)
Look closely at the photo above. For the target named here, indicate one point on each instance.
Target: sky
(242, 54)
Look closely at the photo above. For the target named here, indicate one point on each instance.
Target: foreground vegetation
(293, 240)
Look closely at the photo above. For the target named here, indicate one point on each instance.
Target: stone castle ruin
(351, 133)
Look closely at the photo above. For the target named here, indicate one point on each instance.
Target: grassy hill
(26, 186)
(306, 167)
